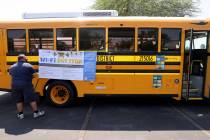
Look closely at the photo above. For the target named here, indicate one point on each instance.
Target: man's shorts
(24, 94)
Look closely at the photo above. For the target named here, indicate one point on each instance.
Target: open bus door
(207, 81)
(195, 64)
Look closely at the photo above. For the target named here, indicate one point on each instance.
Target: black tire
(58, 92)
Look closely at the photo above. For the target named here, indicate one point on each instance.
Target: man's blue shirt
(22, 74)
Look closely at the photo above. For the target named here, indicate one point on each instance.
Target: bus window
(121, 39)
(170, 39)
(92, 39)
(66, 39)
(16, 41)
(40, 39)
(148, 39)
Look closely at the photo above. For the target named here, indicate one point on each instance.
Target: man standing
(22, 87)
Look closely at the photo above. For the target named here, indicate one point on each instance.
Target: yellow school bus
(135, 55)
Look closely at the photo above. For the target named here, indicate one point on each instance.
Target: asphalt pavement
(114, 118)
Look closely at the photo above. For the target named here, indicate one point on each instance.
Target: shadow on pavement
(108, 114)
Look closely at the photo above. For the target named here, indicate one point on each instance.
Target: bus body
(135, 55)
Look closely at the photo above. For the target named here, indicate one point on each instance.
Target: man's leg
(34, 106)
(36, 113)
(19, 107)
(18, 98)
(31, 96)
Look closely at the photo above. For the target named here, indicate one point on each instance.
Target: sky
(14, 9)
(205, 8)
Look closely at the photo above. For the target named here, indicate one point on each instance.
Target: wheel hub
(61, 93)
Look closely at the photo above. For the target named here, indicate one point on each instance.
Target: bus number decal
(105, 58)
(145, 58)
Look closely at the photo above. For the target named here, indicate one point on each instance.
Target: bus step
(192, 90)
(185, 85)
(194, 94)
(195, 98)
(185, 82)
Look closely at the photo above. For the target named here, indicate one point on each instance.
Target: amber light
(176, 81)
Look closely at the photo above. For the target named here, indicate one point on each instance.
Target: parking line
(83, 129)
(203, 130)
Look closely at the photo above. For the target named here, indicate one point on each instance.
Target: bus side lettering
(145, 58)
(47, 60)
(105, 58)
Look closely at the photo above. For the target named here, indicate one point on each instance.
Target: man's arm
(30, 69)
(36, 75)
(10, 70)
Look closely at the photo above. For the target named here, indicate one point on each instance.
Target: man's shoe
(39, 114)
(20, 116)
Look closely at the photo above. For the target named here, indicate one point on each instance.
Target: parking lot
(115, 118)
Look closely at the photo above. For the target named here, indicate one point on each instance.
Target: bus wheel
(61, 93)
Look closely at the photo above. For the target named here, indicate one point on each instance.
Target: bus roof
(99, 21)
(119, 18)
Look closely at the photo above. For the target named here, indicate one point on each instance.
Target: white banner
(67, 65)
